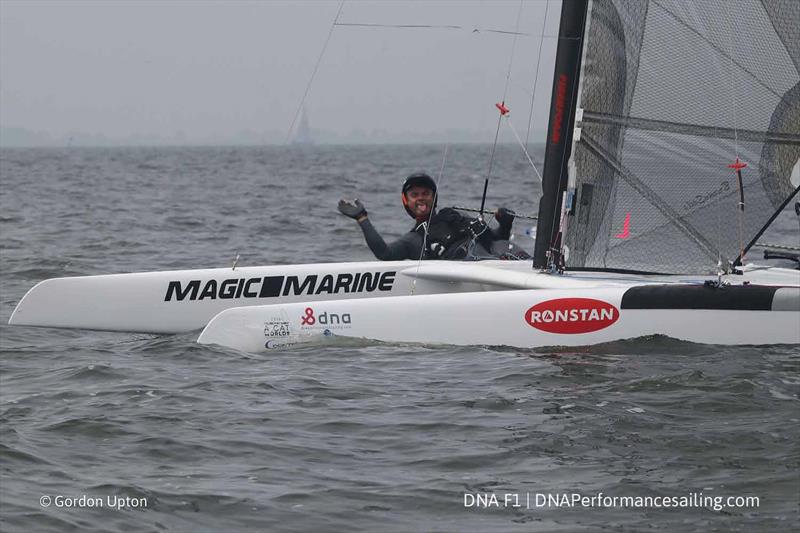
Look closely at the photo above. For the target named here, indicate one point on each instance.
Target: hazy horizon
(23, 138)
(92, 142)
(78, 73)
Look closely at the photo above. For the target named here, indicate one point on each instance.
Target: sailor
(444, 234)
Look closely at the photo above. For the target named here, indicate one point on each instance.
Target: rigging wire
(524, 148)
(502, 109)
(513, 48)
(314, 72)
(536, 75)
(491, 160)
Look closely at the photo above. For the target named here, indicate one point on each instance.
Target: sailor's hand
(352, 208)
(504, 216)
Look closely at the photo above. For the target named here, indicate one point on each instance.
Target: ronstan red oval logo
(572, 315)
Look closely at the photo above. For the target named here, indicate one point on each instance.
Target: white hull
(503, 318)
(185, 300)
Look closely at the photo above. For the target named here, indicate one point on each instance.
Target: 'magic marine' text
(276, 286)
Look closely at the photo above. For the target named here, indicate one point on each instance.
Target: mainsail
(674, 97)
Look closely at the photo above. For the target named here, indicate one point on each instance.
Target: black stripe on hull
(733, 298)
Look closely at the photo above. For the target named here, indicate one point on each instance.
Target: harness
(451, 234)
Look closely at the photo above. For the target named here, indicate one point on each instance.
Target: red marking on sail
(572, 315)
(738, 165)
(502, 108)
(626, 228)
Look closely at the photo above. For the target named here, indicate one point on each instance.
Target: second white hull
(526, 318)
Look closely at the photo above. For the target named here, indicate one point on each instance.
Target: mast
(560, 127)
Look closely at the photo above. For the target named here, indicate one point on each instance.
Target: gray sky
(191, 71)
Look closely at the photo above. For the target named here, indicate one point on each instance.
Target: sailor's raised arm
(408, 246)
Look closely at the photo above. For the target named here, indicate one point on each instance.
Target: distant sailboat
(303, 134)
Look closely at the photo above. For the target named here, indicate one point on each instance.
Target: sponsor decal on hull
(571, 315)
(278, 326)
(277, 286)
(326, 321)
(275, 344)
(280, 332)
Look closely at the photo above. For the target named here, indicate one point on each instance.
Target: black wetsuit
(450, 236)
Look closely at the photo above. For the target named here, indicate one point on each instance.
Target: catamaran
(673, 143)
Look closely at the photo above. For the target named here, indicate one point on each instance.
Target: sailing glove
(352, 208)
(505, 217)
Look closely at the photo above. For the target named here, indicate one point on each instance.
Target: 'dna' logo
(324, 319)
(572, 315)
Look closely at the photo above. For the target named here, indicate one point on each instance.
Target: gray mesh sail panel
(673, 91)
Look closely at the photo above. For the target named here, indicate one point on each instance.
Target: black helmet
(420, 179)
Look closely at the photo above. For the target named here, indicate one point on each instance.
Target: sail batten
(719, 132)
